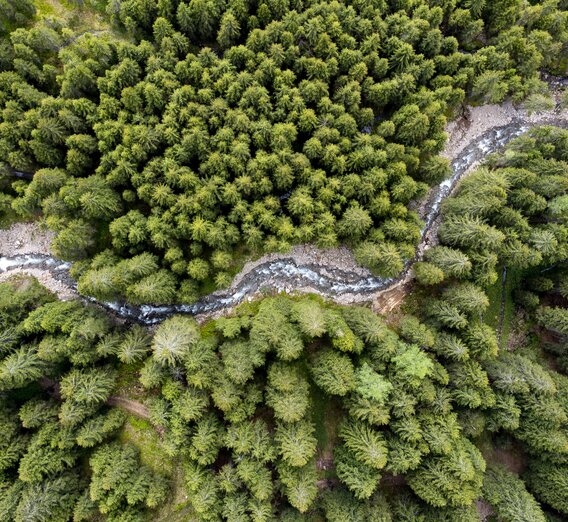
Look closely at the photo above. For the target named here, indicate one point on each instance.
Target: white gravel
(307, 254)
(477, 120)
(25, 238)
(59, 288)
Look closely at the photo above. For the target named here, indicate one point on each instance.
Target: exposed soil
(324, 463)
(389, 300)
(484, 510)
(59, 288)
(25, 238)
(512, 458)
(129, 405)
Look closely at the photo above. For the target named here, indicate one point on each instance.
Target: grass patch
(88, 15)
(143, 435)
(128, 383)
(514, 278)
(501, 310)
(326, 414)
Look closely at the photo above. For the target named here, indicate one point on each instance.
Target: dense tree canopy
(194, 133)
(225, 128)
(293, 407)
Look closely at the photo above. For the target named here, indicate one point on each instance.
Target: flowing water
(285, 274)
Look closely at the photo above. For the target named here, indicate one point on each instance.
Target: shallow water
(285, 274)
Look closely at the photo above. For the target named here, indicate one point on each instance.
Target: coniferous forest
(165, 143)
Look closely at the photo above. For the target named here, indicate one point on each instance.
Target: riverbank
(331, 273)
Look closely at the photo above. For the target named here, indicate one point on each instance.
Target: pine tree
(134, 346)
(554, 319)
(411, 329)
(21, 367)
(508, 495)
(453, 263)
(470, 232)
(300, 485)
(467, 297)
(364, 443)
(435, 480)
(97, 429)
(288, 392)
(52, 499)
(427, 273)
(412, 365)
(240, 359)
(173, 339)
(296, 442)
(206, 440)
(333, 372)
(340, 506)
(361, 479)
(310, 317)
(88, 386)
(547, 480)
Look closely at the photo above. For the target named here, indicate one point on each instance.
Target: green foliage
(333, 372)
(427, 273)
(372, 385)
(217, 129)
(67, 382)
(288, 392)
(234, 399)
(97, 429)
(453, 479)
(49, 500)
(360, 478)
(365, 444)
(554, 319)
(119, 480)
(296, 443)
(412, 365)
(452, 262)
(88, 386)
(507, 494)
(340, 506)
(173, 339)
(415, 332)
(547, 481)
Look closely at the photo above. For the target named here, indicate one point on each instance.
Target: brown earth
(126, 404)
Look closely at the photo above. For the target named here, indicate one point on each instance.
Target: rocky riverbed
(332, 273)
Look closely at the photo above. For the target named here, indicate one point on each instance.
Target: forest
(207, 131)
(254, 404)
(167, 142)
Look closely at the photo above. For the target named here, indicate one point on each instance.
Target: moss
(145, 437)
(127, 382)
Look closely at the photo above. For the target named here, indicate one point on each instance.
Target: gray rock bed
(331, 273)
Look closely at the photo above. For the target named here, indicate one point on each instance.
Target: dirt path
(129, 405)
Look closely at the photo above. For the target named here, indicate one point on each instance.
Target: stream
(284, 273)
